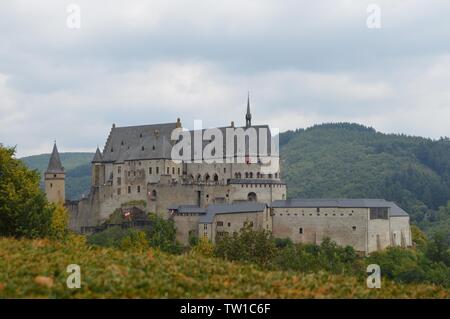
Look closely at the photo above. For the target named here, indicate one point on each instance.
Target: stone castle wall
(307, 225)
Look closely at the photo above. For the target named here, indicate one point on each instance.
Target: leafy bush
(327, 256)
(136, 240)
(59, 225)
(410, 266)
(163, 235)
(204, 248)
(110, 237)
(438, 250)
(24, 210)
(255, 246)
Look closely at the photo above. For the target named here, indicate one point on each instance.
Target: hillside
(39, 271)
(76, 165)
(350, 160)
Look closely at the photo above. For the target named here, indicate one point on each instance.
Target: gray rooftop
(188, 209)
(138, 143)
(395, 210)
(54, 164)
(154, 142)
(235, 208)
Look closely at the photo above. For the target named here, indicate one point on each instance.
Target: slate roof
(154, 142)
(98, 157)
(54, 164)
(395, 210)
(188, 209)
(235, 208)
(138, 143)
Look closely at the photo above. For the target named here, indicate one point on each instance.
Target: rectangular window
(119, 169)
(300, 230)
(157, 170)
(150, 170)
(119, 181)
(139, 189)
(318, 209)
(379, 213)
(119, 191)
(168, 170)
(179, 171)
(129, 189)
(219, 223)
(205, 226)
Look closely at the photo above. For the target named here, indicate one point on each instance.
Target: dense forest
(340, 160)
(351, 160)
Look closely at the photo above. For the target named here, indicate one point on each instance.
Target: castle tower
(248, 116)
(55, 179)
(98, 170)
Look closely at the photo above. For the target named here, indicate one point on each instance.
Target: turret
(54, 179)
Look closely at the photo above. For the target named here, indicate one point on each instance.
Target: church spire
(54, 164)
(248, 116)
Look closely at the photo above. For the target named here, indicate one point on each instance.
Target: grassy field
(37, 269)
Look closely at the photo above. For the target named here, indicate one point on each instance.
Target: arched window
(258, 174)
(251, 197)
(251, 174)
(246, 174)
(199, 178)
(236, 175)
(216, 178)
(207, 177)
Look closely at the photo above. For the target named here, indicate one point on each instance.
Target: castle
(210, 195)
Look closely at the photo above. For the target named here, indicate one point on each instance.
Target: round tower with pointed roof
(54, 177)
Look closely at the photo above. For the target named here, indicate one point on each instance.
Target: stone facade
(367, 225)
(137, 165)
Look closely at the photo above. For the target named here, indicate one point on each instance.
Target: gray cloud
(153, 61)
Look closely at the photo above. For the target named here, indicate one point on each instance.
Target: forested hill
(350, 160)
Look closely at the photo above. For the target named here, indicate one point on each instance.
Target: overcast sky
(142, 62)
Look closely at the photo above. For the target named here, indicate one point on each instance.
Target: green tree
(163, 235)
(438, 249)
(24, 210)
(60, 221)
(249, 245)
